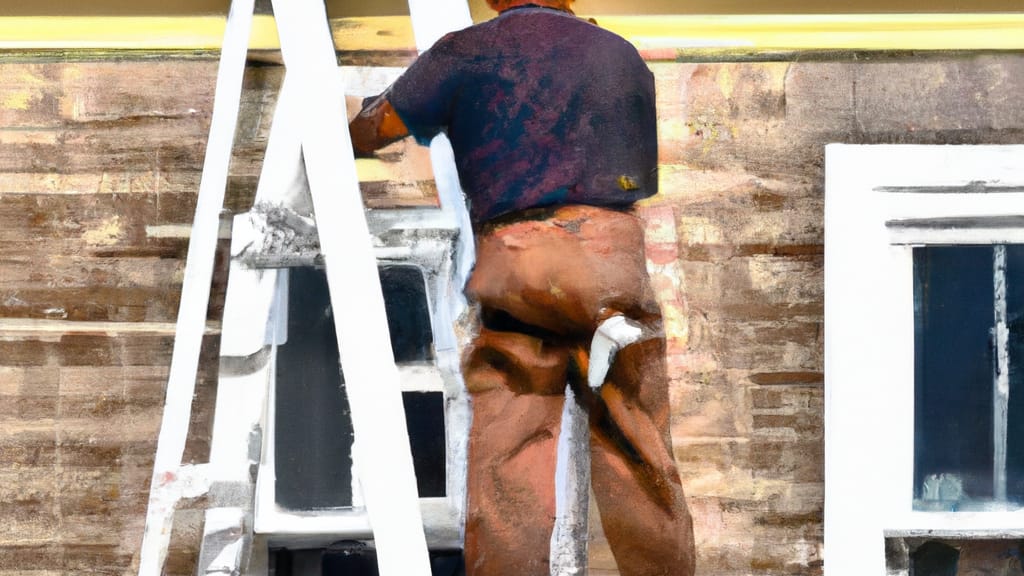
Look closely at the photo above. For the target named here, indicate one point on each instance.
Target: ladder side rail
(246, 372)
(164, 490)
(283, 176)
(372, 382)
(252, 324)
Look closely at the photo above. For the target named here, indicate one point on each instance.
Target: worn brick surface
(95, 154)
(74, 479)
(742, 151)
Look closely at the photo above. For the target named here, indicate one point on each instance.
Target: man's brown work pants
(544, 282)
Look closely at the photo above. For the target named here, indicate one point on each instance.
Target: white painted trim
(964, 523)
(928, 206)
(432, 19)
(323, 527)
(1001, 381)
(265, 501)
(922, 167)
(372, 382)
(921, 236)
(226, 545)
(1001, 531)
(869, 333)
(195, 291)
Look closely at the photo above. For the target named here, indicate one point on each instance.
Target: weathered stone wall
(99, 164)
(98, 161)
(742, 152)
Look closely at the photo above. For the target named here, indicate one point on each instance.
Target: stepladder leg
(166, 483)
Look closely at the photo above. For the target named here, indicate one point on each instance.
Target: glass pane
(313, 434)
(954, 367)
(424, 415)
(1015, 425)
(363, 562)
(405, 301)
(351, 559)
(313, 437)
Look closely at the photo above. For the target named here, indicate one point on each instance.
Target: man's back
(545, 110)
(542, 108)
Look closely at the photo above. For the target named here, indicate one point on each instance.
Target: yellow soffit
(973, 31)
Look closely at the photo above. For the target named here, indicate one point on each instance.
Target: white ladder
(312, 88)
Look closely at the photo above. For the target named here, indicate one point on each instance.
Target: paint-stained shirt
(541, 108)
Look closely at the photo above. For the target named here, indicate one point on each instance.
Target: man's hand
(376, 126)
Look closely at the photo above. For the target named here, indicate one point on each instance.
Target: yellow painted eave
(826, 32)
(126, 32)
(650, 32)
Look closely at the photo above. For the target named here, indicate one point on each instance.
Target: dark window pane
(314, 429)
(1015, 321)
(953, 314)
(424, 415)
(405, 300)
(352, 559)
(313, 437)
(363, 562)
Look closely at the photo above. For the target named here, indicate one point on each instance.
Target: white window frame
(435, 240)
(880, 202)
(418, 237)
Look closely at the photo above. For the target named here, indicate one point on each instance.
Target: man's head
(502, 5)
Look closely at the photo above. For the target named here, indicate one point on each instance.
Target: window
(313, 432)
(308, 496)
(922, 341)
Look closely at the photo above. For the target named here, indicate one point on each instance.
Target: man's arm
(376, 126)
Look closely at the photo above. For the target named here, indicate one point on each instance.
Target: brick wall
(99, 163)
(742, 159)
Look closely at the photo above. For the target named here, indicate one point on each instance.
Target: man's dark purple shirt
(541, 107)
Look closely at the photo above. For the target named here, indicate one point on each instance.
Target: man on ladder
(553, 125)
